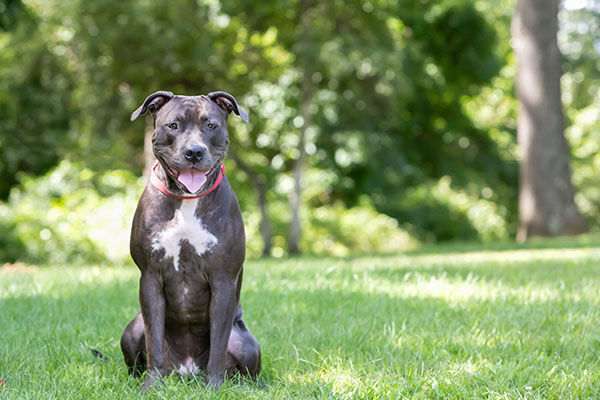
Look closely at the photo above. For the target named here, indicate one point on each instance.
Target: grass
(445, 322)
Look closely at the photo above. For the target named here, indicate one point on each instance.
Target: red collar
(158, 184)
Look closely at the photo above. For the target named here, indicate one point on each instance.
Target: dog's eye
(211, 126)
(172, 125)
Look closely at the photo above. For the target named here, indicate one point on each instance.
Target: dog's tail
(97, 354)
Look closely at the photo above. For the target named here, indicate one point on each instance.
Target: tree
(378, 93)
(299, 164)
(546, 198)
(34, 97)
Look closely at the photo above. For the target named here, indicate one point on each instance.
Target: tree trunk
(546, 198)
(296, 196)
(261, 189)
(265, 225)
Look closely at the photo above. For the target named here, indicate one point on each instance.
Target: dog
(188, 241)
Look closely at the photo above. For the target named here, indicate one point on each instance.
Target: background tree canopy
(411, 132)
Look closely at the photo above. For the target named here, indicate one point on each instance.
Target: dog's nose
(195, 153)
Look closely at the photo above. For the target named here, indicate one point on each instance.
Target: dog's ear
(153, 103)
(228, 103)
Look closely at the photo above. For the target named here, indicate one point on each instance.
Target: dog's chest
(184, 227)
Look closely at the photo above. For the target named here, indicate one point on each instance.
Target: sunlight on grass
(521, 323)
(418, 280)
(514, 256)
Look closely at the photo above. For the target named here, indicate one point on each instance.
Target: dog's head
(190, 134)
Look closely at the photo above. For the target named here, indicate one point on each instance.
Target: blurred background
(375, 125)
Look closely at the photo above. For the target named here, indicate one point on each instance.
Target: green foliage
(385, 96)
(35, 108)
(402, 95)
(74, 214)
(439, 211)
(337, 230)
(71, 215)
(584, 138)
(457, 52)
(388, 90)
(123, 51)
(11, 245)
(10, 10)
(581, 87)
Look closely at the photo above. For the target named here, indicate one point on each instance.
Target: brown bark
(296, 196)
(546, 197)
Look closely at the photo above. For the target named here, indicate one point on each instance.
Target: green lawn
(443, 322)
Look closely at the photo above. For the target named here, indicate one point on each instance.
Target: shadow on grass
(325, 332)
(512, 274)
(312, 337)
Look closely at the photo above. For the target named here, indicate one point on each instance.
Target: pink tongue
(192, 179)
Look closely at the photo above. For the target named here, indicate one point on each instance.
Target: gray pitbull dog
(188, 241)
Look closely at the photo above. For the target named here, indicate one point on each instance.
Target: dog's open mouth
(191, 178)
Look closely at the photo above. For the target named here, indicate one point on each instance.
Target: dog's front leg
(152, 303)
(222, 310)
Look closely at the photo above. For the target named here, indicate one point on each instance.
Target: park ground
(460, 321)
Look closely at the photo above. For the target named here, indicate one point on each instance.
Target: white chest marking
(184, 226)
(188, 368)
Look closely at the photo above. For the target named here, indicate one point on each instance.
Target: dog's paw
(214, 381)
(259, 383)
(153, 381)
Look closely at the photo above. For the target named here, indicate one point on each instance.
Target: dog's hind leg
(133, 345)
(243, 351)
